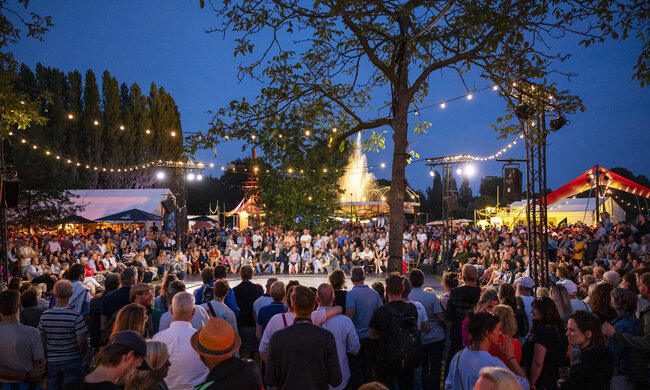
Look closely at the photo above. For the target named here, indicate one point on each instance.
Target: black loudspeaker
(512, 184)
(10, 190)
(169, 205)
(451, 202)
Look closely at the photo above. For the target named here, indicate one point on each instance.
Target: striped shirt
(60, 326)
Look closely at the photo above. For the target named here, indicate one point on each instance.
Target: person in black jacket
(216, 343)
(596, 366)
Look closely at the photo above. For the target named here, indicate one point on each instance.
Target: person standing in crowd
(216, 345)
(639, 344)
(461, 300)
(345, 335)
(22, 350)
(187, 370)
(303, 356)
(545, 350)
(64, 335)
(199, 318)
(116, 363)
(268, 311)
(216, 308)
(433, 341)
(142, 294)
(80, 298)
(265, 299)
(158, 360)
(395, 326)
(464, 368)
(595, 367)
(360, 303)
(121, 297)
(246, 293)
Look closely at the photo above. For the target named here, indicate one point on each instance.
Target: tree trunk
(400, 106)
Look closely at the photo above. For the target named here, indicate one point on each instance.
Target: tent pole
(597, 194)
(638, 205)
(646, 204)
(587, 207)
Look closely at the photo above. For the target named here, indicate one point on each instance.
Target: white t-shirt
(306, 239)
(422, 237)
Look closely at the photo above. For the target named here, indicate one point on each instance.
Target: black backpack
(208, 294)
(404, 348)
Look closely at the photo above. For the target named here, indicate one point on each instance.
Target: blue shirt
(466, 369)
(229, 301)
(432, 306)
(365, 301)
(268, 311)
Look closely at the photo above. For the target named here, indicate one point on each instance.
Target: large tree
(340, 58)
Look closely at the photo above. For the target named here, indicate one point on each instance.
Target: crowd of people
(112, 310)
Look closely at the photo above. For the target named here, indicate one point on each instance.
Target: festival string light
(71, 161)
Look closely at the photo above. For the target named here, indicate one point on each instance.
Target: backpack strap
(211, 309)
(460, 379)
(284, 319)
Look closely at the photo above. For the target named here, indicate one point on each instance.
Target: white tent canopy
(100, 203)
(575, 210)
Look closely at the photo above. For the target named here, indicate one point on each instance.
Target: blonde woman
(496, 378)
(158, 358)
(506, 317)
(131, 317)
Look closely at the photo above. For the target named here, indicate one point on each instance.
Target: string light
(469, 96)
(70, 116)
(173, 134)
(96, 123)
(307, 133)
(442, 105)
(121, 127)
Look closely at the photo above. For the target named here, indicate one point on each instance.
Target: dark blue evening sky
(165, 42)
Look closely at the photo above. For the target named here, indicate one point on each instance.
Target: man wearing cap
(216, 345)
(572, 290)
(186, 369)
(525, 290)
(126, 353)
(142, 294)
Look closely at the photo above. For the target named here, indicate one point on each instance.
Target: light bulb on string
(432, 173)
(469, 96)
(442, 105)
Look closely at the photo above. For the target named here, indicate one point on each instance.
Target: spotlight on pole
(190, 176)
(432, 173)
(459, 171)
(199, 177)
(160, 175)
(558, 123)
(470, 170)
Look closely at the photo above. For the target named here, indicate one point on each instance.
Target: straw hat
(216, 339)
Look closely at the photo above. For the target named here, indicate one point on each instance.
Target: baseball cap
(570, 287)
(525, 282)
(134, 341)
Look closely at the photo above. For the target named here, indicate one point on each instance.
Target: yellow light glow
(442, 105)
(70, 116)
(324, 170)
(48, 152)
(495, 87)
(173, 134)
(211, 165)
(23, 140)
(290, 170)
(147, 131)
(469, 96)
(35, 147)
(307, 133)
(383, 165)
(309, 198)
(58, 158)
(334, 129)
